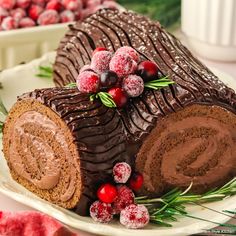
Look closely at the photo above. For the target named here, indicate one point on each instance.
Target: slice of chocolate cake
(61, 145)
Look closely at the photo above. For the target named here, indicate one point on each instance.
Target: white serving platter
(22, 79)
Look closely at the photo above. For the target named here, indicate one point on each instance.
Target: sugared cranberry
(99, 49)
(88, 82)
(18, 13)
(118, 96)
(48, 17)
(109, 79)
(26, 22)
(125, 197)
(130, 51)
(1, 214)
(67, 16)
(35, 11)
(134, 216)
(101, 212)
(136, 181)
(92, 3)
(7, 4)
(123, 64)
(85, 68)
(107, 193)
(100, 61)
(40, 2)
(3, 14)
(148, 70)
(73, 5)
(133, 85)
(23, 4)
(121, 172)
(53, 5)
(9, 23)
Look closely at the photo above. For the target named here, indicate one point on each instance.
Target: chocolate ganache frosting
(174, 136)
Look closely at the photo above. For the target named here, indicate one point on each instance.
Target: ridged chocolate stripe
(98, 134)
(112, 29)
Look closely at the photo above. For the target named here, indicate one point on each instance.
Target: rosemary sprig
(165, 209)
(159, 83)
(71, 85)
(105, 98)
(45, 72)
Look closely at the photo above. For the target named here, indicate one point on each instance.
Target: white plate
(22, 79)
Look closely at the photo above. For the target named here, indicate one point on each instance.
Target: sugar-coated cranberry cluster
(16, 14)
(119, 199)
(121, 74)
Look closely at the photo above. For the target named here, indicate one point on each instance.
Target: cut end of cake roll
(41, 154)
(195, 145)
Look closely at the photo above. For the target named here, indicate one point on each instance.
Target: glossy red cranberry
(109, 79)
(99, 49)
(107, 193)
(148, 70)
(118, 96)
(136, 181)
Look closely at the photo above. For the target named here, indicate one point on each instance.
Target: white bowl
(23, 45)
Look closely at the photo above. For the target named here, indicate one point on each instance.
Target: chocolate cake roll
(61, 146)
(177, 135)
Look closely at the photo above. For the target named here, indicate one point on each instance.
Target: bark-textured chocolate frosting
(180, 134)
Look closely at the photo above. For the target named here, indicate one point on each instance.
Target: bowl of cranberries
(30, 28)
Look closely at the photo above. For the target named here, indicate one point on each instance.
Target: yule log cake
(61, 144)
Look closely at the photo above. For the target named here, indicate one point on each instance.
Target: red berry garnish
(53, 5)
(121, 172)
(100, 61)
(7, 4)
(99, 49)
(136, 181)
(148, 70)
(9, 23)
(118, 96)
(125, 197)
(88, 82)
(123, 64)
(1, 213)
(40, 2)
(18, 13)
(3, 14)
(107, 193)
(134, 216)
(109, 79)
(85, 68)
(35, 11)
(23, 4)
(130, 51)
(73, 5)
(48, 17)
(26, 22)
(101, 212)
(67, 16)
(133, 85)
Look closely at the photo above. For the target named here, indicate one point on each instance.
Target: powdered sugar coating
(26, 22)
(130, 51)
(48, 17)
(18, 13)
(73, 5)
(7, 4)
(121, 172)
(134, 216)
(125, 197)
(9, 23)
(3, 14)
(133, 85)
(67, 16)
(100, 61)
(88, 82)
(123, 64)
(101, 212)
(23, 4)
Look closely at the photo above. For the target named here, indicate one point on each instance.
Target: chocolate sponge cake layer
(61, 146)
